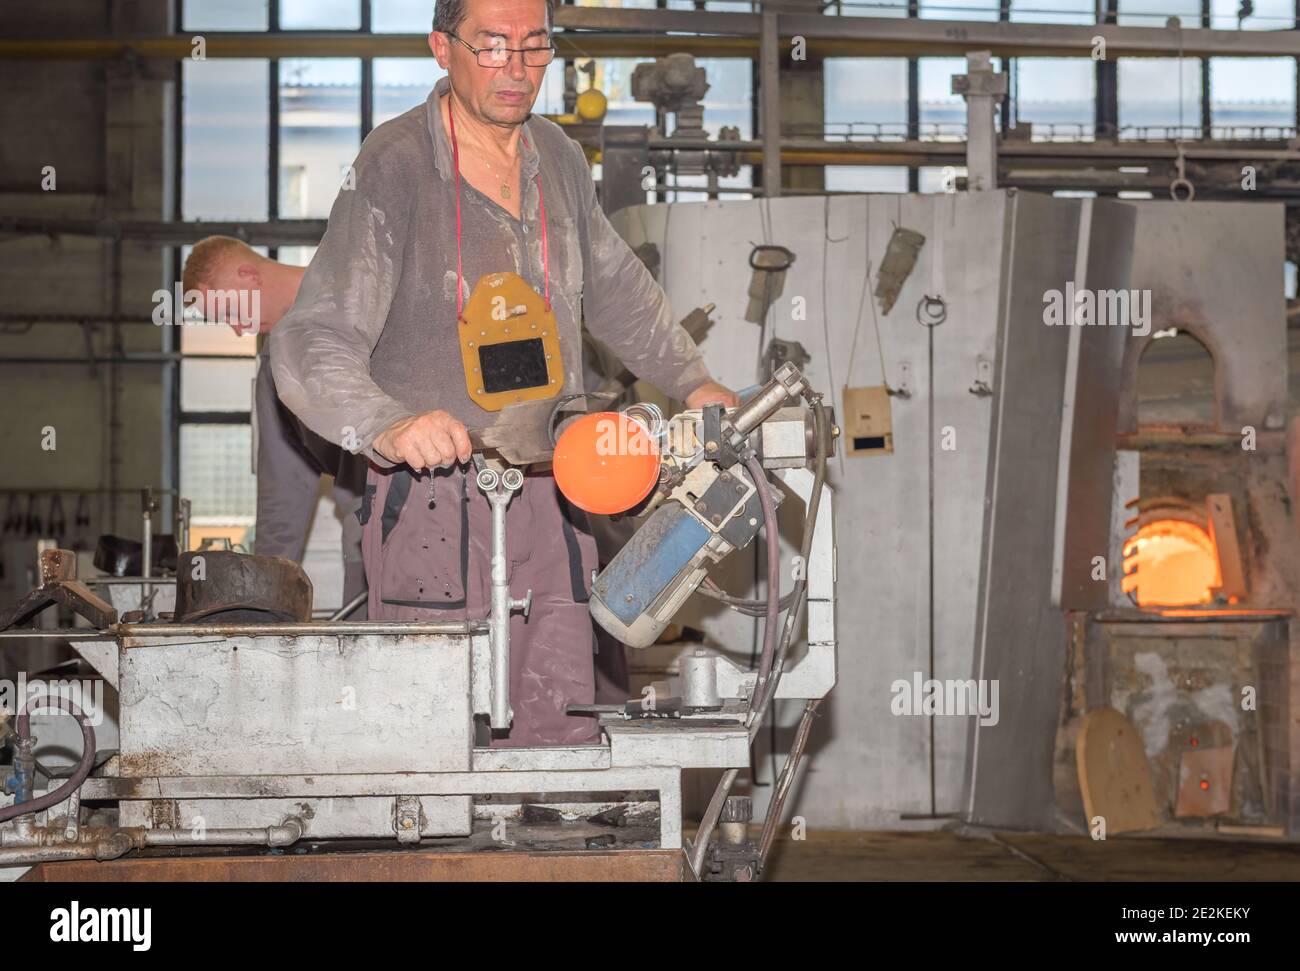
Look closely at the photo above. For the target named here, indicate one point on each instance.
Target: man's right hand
(426, 441)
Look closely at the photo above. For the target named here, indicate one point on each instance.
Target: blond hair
(207, 256)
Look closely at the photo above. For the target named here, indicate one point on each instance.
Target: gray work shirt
(372, 337)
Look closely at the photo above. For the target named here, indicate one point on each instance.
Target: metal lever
(500, 487)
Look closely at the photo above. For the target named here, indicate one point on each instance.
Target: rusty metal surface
(59, 584)
(395, 865)
(56, 565)
(224, 586)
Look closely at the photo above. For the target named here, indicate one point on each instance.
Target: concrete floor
(947, 856)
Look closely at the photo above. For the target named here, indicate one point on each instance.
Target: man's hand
(426, 441)
(712, 393)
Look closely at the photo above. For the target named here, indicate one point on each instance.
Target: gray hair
(448, 15)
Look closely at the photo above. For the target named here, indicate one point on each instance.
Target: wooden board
(1114, 774)
(390, 865)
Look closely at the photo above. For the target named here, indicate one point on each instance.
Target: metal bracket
(983, 386)
(59, 584)
(408, 819)
(904, 389)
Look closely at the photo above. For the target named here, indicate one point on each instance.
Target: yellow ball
(592, 104)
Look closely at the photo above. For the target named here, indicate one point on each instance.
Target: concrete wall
(105, 129)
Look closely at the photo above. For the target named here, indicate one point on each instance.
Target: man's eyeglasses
(498, 56)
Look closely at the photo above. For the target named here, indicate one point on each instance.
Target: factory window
(720, 6)
(402, 83)
(226, 131)
(1170, 563)
(1176, 383)
(614, 78)
(867, 8)
(296, 255)
(1155, 13)
(1053, 12)
(401, 16)
(959, 9)
(320, 132)
(211, 385)
(320, 14)
(215, 438)
(1056, 95)
(942, 113)
(1252, 97)
(1264, 15)
(866, 100)
(225, 15)
(1159, 97)
(866, 178)
(217, 477)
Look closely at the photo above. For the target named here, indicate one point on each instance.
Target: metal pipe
(105, 849)
(786, 780)
(700, 845)
(772, 539)
(141, 358)
(768, 401)
(825, 150)
(350, 606)
(146, 543)
(615, 32)
(769, 68)
(286, 834)
(324, 628)
(183, 519)
(499, 489)
(126, 581)
(25, 741)
(282, 232)
(115, 844)
(73, 318)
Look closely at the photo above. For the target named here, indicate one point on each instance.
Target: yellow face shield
(509, 344)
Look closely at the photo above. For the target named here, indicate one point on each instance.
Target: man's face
(496, 95)
(233, 296)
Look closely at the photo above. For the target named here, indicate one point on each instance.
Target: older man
(290, 458)
(455, 203)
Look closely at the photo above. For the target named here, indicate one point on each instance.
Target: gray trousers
(435, 563)
(290, 462)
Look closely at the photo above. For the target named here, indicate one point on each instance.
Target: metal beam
(621, 32)
(283, 232)
(769, 66)
(391, 864)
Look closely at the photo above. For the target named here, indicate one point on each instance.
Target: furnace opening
(1170, 563)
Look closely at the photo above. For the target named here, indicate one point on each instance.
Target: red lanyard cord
(541, 206)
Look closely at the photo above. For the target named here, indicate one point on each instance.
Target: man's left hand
(712, 393)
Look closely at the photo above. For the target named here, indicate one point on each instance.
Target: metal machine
(303, 733)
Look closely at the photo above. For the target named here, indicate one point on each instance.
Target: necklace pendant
(505, 191)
